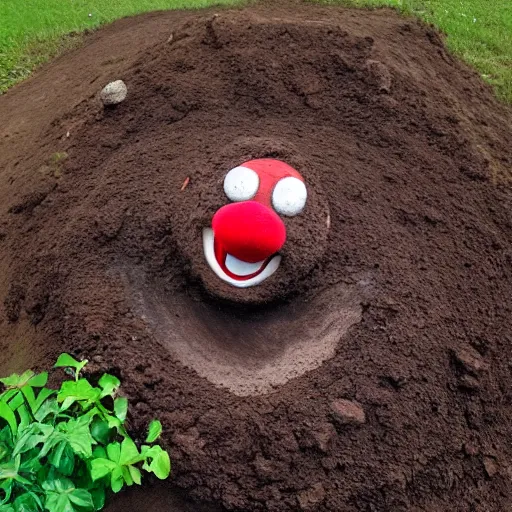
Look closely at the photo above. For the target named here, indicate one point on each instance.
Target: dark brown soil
(160, 497)
(371, 372)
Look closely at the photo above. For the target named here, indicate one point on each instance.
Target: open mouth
(234, 271)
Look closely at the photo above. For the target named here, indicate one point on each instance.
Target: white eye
(241, 184)
(289, 196)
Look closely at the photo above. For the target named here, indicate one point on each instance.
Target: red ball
(249, 231)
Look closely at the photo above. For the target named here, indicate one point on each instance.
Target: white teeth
(242, 268)
(234, 264)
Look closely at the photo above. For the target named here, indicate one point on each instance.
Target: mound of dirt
(372, 370)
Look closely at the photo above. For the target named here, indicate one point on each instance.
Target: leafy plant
(63, 450)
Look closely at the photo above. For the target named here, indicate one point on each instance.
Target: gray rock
(114, 93)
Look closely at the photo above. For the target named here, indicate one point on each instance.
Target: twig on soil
(185, 183)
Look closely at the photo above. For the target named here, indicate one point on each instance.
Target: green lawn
(31, 31)
(480, 31)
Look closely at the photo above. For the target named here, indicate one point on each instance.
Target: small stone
(114, 93)
(470, 360)
(312, 497)
(347, 412)
(490, 466)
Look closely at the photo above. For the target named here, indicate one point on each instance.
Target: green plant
(61, 450)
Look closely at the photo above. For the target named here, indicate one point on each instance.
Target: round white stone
(114, 93)
(289, 196)
(241, 184)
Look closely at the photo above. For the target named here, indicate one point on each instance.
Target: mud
(251, 352)
(371, 372)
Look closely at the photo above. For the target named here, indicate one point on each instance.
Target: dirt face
(370, 372)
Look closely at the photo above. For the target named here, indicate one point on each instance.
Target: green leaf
(129, 453)
(27, 502)
(135, 474)
(56, 454)
(116, 423)
(99, 452)
(7, 414)
(154, 431)
(46, 408)
(17, 381)
(101, 468)
(72, 391)
(76, 432)
(100, 431)
(116, 479)
(127, 477)
(10, 469)
(109, 384)
(39, 380)
(82, 498)
(114, 452)
(65, 360)
(22, 481)
(29, 395)
(161, 465)
(28, 378)
(56, 502)
(59, 441)
(6, 486)
(61, 494)
(42, 397)
(98, 497)
(31, 464)
(31, 436)
(150, 451)
(62, 458)
(25, 417)
(121, 407)
(16, 401)
(6, 395)
(5, 434)
(5, 451)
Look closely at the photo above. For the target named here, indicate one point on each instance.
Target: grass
(31, 31)
(478, 31)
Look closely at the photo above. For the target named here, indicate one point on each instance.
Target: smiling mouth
(234, 271)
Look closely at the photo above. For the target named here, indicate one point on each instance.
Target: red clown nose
(249, 231)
